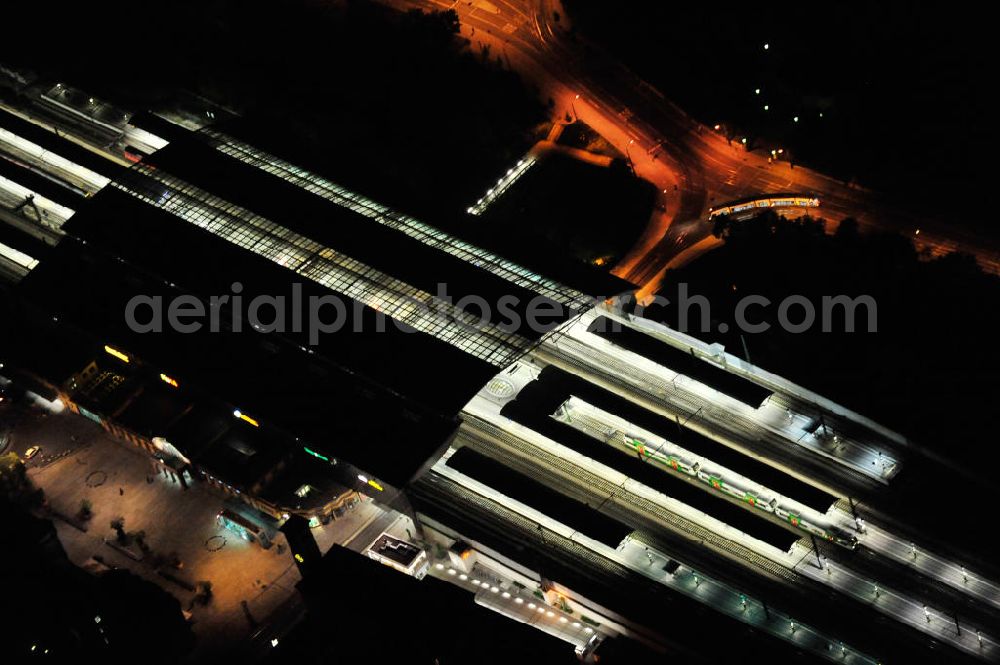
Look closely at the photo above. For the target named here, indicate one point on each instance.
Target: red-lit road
(693, 166)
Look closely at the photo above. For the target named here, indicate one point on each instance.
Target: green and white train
(755, 499)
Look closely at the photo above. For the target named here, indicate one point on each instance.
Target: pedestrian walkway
(121, 481)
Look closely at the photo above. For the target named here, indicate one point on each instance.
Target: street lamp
(112, 351)
(244, 417)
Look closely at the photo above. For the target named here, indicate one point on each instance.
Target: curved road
(693, 166)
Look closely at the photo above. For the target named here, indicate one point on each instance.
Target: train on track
(751, 206)
(731, 488)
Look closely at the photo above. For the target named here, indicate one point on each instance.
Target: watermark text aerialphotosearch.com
(319, 315)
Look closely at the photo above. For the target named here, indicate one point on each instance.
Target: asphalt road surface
(694, 166)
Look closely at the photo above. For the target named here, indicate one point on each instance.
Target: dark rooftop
(242, 456)
(301, 469)
(354, 388)
(154, 408)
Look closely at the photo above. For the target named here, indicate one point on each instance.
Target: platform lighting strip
(17, 257)
(94, 180)
(493, 193)
(56, 214)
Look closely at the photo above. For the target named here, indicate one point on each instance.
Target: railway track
(628, 509)
(728, 428)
